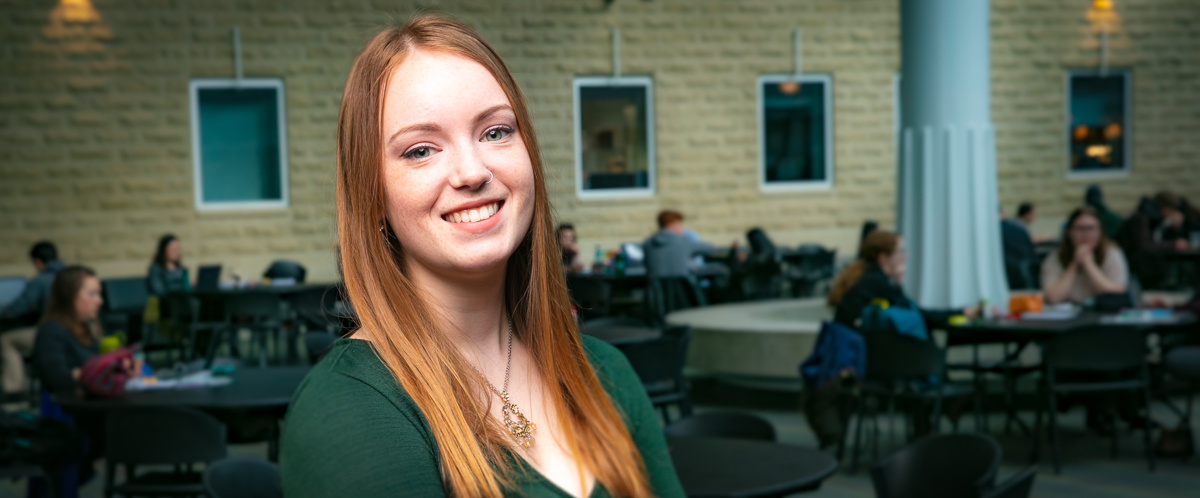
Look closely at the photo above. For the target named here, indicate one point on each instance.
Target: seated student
(1086, 264)
(1157, 227)
(24, 312)
(167, 273)
(1110, 222)
(570, 249)
(1019, 253)
(668, 252)
(877, 274)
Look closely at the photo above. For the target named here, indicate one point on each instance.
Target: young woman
(877, 274)
(69, 334)
(467, 376)
(167, 273)
(1086, 263)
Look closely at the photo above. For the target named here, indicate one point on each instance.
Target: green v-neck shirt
(352, 430)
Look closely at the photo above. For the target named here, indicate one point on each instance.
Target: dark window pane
(794, 128)
(239, 144)
(1097, 125)
(614, 137)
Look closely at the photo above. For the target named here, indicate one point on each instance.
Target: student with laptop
(25, 311)
(167, 273)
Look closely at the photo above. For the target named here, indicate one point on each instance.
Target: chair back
(1183, 362)
(258, 306)
(660, 360)
(667, 294)
(896, 356)
(944, 466)
(126, 295)
(166, 435)
(316, 307)
(283, 268)
(592, 296)
(614, 321)
(243, 478)
(733, 425)
(1105, 348)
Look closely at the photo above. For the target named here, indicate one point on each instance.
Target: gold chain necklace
(520, 427)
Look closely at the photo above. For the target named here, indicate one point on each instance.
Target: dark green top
(351, 430)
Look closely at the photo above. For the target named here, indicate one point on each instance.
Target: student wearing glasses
(1086, 264)
(467, 376)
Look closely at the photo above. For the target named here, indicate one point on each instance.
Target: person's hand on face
(1084, 255)
(458, 179)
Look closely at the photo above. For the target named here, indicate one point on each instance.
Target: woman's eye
(418, 153)
(496, 134)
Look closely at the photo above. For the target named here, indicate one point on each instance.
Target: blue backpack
(901, 318)
(839, 351)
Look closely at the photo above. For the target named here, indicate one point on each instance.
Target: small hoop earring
(490, 178)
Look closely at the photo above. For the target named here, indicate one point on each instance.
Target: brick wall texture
(95, 145)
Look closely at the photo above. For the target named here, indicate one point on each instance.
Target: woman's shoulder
(350, 371)
(51, 329)
(616, 374)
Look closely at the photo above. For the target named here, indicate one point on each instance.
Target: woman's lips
(473, 215)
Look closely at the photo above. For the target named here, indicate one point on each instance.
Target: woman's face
(174, 251)
(457, 177)
(88, 301)
(1085, 231)
(894, 264)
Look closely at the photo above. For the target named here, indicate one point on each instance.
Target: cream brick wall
(95, 149)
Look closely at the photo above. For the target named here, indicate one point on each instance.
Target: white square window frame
(626, 81)
(194, 88)
(1125, 74)
(797, 185)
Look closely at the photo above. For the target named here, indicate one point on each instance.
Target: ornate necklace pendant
(516, 423)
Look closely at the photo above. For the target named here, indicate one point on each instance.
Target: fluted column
(946, 204)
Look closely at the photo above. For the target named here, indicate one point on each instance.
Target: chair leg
(841, 449)
(858, 428)
(1052, 410)
(1035, 452)
(1146, 437)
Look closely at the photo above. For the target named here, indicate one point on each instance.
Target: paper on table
(203, 378)
(1064, 311)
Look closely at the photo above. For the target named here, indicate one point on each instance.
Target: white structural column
(946, 204)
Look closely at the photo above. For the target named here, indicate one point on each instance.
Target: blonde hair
(404, 331)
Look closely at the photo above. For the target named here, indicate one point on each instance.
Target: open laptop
(10, 289)
(208, 278)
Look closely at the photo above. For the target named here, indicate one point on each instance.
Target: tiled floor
(1087, 472)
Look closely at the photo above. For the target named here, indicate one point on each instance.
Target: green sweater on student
(351, 430)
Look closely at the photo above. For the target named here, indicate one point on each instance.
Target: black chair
(1115, 357)
(667, 294)
(283, 268)
(734, 425)
(810, 266)
(948, 466)
(186, 319)
(258, 311)
(614, 321)
(316, 308)
(901, 367)
(317, 344)
(1183, 363)
(160, 436)
(659, 364)
(243, 478)
(592, 296)
(124, 306)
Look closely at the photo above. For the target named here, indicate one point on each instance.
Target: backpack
(26, 438)
(837, 360)
(903, 317)
(105, 374)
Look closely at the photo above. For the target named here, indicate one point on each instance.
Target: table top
(622, 335)
(273, 289)
(252, 389)
(1012, 330)
(717, 467)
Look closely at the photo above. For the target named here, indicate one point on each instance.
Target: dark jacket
(31, 304)
(668, 254)
(1019, 255)
(161, 281)
(56, 352)
(874, 284)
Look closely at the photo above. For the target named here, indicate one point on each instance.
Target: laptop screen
(209, 278)
(10, 288)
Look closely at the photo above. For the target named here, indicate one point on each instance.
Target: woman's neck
(471, 304)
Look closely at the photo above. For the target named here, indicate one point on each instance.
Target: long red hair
(406, 334)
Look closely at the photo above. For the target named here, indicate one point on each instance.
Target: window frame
(194, 87)
(646, 82)
(1127, 75)
(760, 111)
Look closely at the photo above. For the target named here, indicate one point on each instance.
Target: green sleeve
(342, 437)
(627, 391)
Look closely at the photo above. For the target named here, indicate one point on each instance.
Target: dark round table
(256, 396)
(739, 468)
(620, 336)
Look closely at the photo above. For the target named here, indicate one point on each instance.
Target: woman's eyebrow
(490, 111)
(427, 127)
